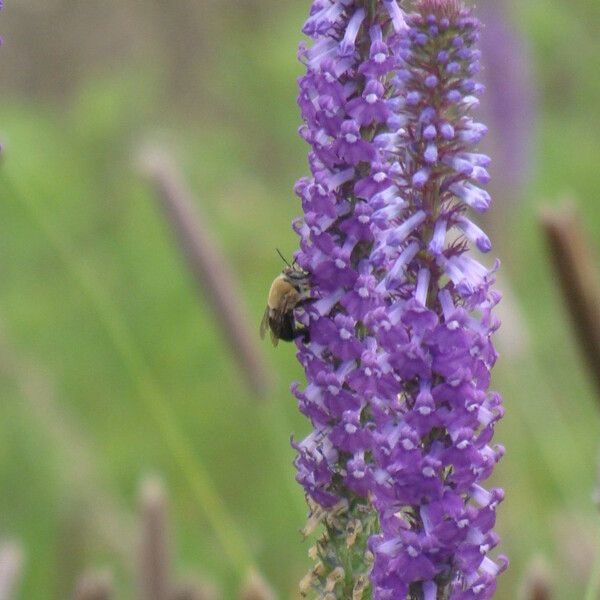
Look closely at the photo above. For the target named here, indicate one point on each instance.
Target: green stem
(148, 390)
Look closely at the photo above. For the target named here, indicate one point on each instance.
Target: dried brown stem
(256, 588)
(211, 271)
(11, 563)
(192, 590)
(538, 584)
(577, 271)
(94, 587)
(155, 561)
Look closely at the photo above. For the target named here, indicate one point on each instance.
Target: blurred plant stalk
(510, 110)
(154, 551)
(190, 590)
(212, 273)
(576, 268)
(156, 580)
(95, 587)
(538, 583)
(11, 563)
(511, 106)
(577, 271)
(256, 588)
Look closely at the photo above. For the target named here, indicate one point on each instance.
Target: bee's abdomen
(284, 327)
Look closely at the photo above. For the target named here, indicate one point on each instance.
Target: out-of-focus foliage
(96, 304)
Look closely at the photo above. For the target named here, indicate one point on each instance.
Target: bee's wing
(275, 323)
(264, 324)
(278, 325)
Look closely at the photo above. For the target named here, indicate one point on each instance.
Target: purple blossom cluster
(398, 364)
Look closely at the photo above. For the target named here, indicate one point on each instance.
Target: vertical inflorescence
(431, 442)
(398, 366)
(347, 99)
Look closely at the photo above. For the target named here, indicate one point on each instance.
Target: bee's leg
(304, 299)
(306, 335)
(302, 332)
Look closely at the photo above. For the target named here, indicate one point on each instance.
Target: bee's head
(293, 274)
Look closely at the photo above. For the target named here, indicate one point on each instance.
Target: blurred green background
(100, 321)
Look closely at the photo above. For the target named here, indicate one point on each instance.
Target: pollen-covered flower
(399, 358)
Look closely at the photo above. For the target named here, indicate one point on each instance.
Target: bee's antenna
(283, 258)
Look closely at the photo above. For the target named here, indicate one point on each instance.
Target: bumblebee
(288, 291)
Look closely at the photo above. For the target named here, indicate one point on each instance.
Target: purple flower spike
(432, 439)
(400, 352)
(346, 99)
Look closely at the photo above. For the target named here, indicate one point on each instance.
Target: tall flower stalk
(398, 364)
